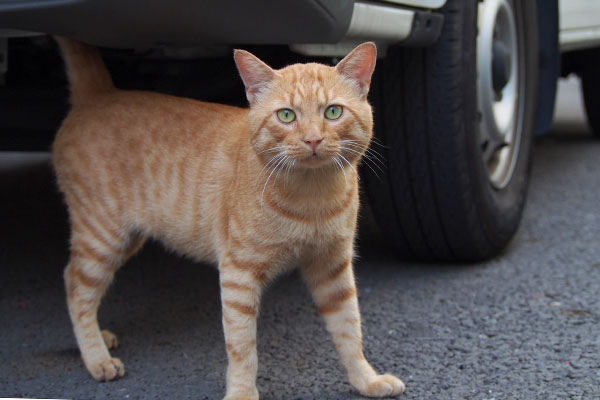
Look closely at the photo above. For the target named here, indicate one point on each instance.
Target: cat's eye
(286, 115)
(333, 112)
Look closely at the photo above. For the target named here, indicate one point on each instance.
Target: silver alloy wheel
(500, 70)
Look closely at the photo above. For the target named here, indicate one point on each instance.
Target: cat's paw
(107, 370)
(110, 339)
(382, 386)
(243, 395)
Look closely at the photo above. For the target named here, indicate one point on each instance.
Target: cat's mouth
(315, 160)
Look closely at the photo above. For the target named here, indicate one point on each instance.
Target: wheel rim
(500, 73)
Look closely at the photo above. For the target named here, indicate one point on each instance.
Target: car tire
(590, 84)
(435, 198)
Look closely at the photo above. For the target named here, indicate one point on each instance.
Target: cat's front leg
(330, 278)
(241, 284)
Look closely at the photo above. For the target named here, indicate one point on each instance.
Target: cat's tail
(87, 73)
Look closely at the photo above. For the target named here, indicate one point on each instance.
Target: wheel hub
(500, 67)
(499, 83)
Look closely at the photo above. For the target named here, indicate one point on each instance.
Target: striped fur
(236, 187)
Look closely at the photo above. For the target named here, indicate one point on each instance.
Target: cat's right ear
(255, 74)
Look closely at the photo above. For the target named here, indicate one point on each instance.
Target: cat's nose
(313, 142)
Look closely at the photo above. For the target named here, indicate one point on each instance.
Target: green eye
(286, 115)
(333, 112)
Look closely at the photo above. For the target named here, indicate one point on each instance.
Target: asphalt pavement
(525, 325)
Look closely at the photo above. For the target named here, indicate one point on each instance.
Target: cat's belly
(199, 250)
(188, 235)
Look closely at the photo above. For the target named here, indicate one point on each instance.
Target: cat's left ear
(256, 74)
(358, 66)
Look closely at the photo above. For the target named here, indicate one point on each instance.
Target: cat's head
(310, 115)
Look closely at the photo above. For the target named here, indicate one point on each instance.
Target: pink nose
(313, 143)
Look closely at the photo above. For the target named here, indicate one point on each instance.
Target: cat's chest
(310, 222)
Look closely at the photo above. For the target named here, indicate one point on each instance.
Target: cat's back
(131, 127)
(125, 118)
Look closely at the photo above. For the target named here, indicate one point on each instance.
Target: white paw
(382, 386)
(242, 394)
(107, 370)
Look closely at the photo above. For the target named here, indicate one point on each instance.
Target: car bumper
(188, 23)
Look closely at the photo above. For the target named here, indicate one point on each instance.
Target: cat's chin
(313, 162)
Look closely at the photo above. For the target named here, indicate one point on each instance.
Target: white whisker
(339, 164)
(269, 163)
(290, 165)
(285, 160)
(270, 149)
(351, 166)
(369, 153)
(368, 159)
(378, 143)
(375, 154)
(361, 147)
(268, 178)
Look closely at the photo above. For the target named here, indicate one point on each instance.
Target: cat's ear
(256, 74)
(358, 66)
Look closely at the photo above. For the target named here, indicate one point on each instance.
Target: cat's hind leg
(110, 339)
(98, 249)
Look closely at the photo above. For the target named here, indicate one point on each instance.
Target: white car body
(579, 22)
(419, 3)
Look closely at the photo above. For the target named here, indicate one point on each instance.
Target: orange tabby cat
(255, 191)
